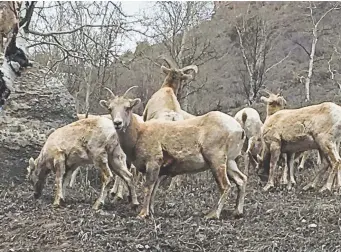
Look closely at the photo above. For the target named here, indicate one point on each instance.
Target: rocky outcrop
(39, 104)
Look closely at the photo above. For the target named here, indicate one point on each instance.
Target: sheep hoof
(58, 203)
(135, 206)
(237, 214)
(97, 205)
(212, 215)
(308, 187)
(142, 215)
(324, 188)
(267, 187)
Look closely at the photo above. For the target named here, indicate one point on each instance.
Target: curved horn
(267, 92)
(169, 61)
(190, 67)
(111, 92)
(280, 92)
(126, 92)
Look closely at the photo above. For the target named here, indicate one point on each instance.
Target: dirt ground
(280, 220)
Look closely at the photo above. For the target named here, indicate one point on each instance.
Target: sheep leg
(117, 189)
(107, 178)
(73, 177)
(59, 165)
(290, 163)
(240, 180)
(312, 184)
(275, 153)
(303, 160)
(248, 155)
(224, 185)
(175, 182)
(330, 150)
(284, 178)
(67, 178)
(152, 175)
(1, 43)
(160, 180)
(119, 167)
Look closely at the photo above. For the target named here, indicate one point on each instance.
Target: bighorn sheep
(164, 104)
(15, 62)
(276, 102)
(296, 130)
(8, 18)
(162, 148)
(91, 140)
(119, 184)
(164, 100)
(250, 121)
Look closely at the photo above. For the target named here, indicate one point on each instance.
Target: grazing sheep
(250, 121)
(296, 130)
(169, 148)
(87, 141)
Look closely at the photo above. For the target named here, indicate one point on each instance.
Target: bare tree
(174, 26)
(255, 37)
(80, 36)
(315, 36)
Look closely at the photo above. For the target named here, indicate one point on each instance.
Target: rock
(313, 225)
(39, 103)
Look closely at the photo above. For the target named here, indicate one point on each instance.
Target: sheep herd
(167, 142)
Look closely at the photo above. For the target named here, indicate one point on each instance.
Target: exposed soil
(275, 221)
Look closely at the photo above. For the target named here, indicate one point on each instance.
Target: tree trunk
(311, 65)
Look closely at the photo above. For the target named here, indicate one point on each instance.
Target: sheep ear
(134, 102)
(264, 99)
(284, 102)
(165, 69)
(187, 77)
(104, 104)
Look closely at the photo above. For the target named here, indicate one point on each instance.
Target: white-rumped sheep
(87, 141)
(297, 130)
(250, 121)
(162, 148)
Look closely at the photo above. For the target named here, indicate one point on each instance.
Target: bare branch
(279, 62)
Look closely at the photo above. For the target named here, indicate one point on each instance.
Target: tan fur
(7, 19)
(276, 102)
(168, 148)
(87, 141)
(119, 188)
(298, 130)
(164, 100)
(163, 105)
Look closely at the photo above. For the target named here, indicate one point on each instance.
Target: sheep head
(274, 102)
(176, 75)
(36, 176)
(120, 108)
